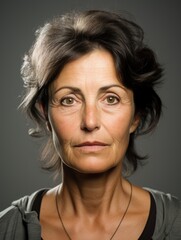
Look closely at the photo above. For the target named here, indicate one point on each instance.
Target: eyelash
(72, 100)
(108, 97)
(63, 101)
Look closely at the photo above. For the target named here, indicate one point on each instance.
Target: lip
(91, 146)
(95, 143)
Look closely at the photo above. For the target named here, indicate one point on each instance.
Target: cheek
(62, 128)
(120, 134)
(61, 134)
(119, 125)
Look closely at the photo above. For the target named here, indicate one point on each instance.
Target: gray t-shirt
(21, 223)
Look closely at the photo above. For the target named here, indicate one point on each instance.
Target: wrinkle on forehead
(95, 67)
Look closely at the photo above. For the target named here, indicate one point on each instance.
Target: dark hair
(72, 35)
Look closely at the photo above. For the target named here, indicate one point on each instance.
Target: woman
(90, 83)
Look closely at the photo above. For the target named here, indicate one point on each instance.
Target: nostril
(88, 125)
(90, 119)
(89, 129)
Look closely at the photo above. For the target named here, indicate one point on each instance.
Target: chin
(92, 168)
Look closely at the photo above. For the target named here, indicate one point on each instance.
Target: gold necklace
(121, 220)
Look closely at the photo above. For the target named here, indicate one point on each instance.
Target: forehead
(96, 67)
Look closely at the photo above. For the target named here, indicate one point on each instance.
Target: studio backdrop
(20, 172)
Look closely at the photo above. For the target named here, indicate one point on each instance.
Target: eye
(111, 100)
(67, 101)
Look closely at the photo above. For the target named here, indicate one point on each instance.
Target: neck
(93, 193)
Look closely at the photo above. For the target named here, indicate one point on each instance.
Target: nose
(90, 118)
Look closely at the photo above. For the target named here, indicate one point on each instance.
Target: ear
(44, 113)
(134, 124)
(48, 126)
(42, 110)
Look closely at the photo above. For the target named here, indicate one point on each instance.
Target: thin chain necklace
(121, 220)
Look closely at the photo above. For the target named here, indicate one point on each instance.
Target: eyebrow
(75, 89)
(102, 89)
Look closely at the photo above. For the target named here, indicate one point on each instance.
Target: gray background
(20, 172)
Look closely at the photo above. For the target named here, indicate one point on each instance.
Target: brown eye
(68, 101)
(112, 100)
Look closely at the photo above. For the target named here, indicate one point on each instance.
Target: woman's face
(91, 114)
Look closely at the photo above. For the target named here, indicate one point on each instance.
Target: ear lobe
(134, 124)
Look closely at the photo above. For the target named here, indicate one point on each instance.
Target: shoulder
(10, 220)
(168, 220)
(18, 219)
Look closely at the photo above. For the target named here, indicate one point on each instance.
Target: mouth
(91, 146)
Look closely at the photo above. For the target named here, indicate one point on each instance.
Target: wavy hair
(73, 35)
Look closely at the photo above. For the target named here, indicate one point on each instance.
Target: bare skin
(91, 116)
(93, 210)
